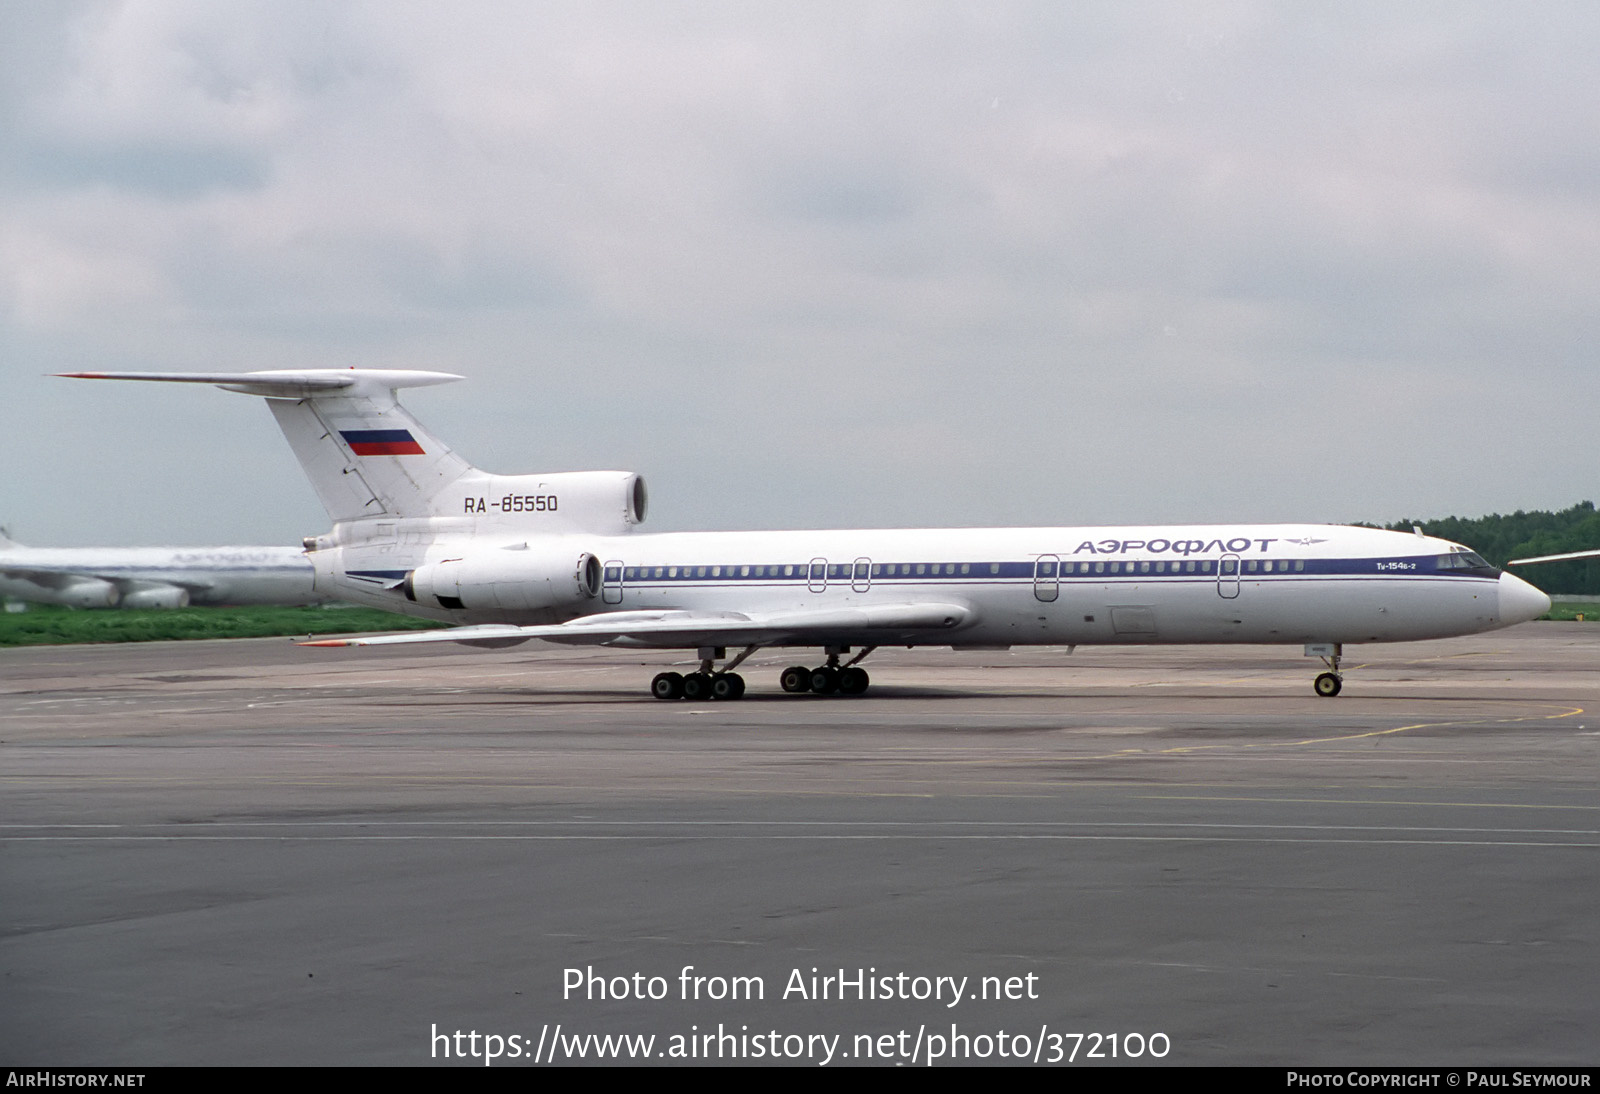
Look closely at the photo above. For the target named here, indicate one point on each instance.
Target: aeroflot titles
(1236, 546)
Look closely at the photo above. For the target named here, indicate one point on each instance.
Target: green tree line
(1502, 537)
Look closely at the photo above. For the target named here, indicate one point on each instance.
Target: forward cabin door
(1228, 577)
(1045, 579)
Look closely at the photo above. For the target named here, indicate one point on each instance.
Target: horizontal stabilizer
(292, 384)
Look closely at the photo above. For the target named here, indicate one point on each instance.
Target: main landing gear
(1330, 683)
(698, 685)
(831, 678)
(707, 683)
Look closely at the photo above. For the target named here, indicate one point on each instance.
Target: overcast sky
(813, 264)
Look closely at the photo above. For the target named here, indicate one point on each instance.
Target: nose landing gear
(1330, 683)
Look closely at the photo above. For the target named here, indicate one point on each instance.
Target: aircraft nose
(1519, 601)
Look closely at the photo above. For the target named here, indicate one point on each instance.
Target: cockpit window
(1465, 562)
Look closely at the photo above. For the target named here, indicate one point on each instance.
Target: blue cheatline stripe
(1072, 570)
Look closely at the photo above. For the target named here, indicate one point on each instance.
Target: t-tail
(399, 497)
(368, 458)
(365, 455)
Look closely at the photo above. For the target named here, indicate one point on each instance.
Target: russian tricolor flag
(381, 442)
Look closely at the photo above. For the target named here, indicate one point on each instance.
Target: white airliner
(155, 577)
(418, 530)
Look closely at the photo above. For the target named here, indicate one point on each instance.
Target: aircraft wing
(878, 623)
(1555, 558)
(60, 575)
(46, 577)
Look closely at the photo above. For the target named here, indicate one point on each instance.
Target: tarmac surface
(249, 852)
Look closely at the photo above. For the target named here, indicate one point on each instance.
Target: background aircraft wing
(46, 577)
(55, 575)
(878, 623)
(1555, 558)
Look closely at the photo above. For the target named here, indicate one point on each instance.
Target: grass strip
(49, 625)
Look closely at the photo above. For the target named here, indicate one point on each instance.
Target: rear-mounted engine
(522, 579)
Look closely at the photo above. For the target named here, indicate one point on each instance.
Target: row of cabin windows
(1185, 566)
(835, 570)
(841, 571)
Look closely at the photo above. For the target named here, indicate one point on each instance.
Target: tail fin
(364, 453)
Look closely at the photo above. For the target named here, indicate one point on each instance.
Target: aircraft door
(1045, 569)
(861, 575)
(817, 575)
(1228, 577)
(611, 590)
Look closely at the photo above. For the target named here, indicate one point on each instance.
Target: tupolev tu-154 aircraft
(418, 530)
